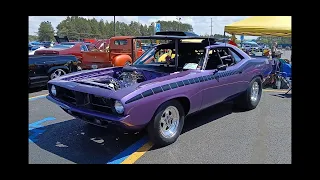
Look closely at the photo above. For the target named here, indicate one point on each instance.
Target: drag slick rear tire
(251, 97)
(167, 124)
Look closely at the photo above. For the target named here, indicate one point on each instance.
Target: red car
(65, 47)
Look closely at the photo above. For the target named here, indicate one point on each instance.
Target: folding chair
(287, 80)
(288, 90)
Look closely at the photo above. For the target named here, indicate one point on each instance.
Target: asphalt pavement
(216, 135)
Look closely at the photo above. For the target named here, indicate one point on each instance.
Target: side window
(84, 48)
(226, 56)
(138, 45)
(213, 60)
(121, 42)
(236, 57)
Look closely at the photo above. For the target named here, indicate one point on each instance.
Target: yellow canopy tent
(261, 26)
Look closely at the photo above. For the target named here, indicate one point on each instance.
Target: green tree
(45, 31)
(33, 38)
(270, 39)
(76, 27)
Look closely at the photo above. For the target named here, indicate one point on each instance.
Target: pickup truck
(122, 50)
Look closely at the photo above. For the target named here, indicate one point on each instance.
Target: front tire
(251, 97)
(57, 73)
(167, 123)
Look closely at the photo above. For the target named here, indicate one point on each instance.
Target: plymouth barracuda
(157, 96)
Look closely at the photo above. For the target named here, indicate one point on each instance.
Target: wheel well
(260, 76)
(185, 104)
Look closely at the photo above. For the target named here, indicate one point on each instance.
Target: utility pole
(114, 25)
(179, 19)
(211, 28)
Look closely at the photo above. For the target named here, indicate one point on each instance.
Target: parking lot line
(136, 155)
(274, 90)
(36, 128)
(37, 97)
(129, 151)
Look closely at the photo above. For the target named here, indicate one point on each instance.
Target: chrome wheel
(169, 122)
(57, 73)
(254, 91)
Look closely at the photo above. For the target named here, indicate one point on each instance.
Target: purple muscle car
(158, 94)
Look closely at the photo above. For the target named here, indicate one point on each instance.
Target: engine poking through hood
(120, 79)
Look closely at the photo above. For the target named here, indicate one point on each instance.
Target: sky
(200, 24)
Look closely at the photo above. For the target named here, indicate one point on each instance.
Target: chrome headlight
(118, 107)
(53, 90)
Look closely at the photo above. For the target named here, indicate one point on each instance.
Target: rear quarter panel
(251, 68)
(75, 50)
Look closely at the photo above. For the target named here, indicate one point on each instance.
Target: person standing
(233, 40)
(274, 49)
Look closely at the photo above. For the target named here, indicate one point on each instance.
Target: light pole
(179, 19)
(154, 29)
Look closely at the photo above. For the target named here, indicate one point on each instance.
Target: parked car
(44, 68)
(117, 51)
(65, 48)
(159, 95)
(34, 45)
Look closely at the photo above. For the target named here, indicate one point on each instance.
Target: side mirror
(222, 67)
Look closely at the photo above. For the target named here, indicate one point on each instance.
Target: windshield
(161, 55)
(156, 56)
(145, 47)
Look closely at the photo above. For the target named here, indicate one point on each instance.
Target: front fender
(141, 111)
(121, 60)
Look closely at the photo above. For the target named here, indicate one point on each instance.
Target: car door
(222, 84)
(40, 66)
(37, 69)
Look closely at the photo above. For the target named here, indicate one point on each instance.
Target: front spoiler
(112, 119)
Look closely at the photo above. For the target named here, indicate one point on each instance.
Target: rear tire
(167, 124)
(251, 97)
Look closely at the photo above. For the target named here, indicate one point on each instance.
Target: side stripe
(187, 82)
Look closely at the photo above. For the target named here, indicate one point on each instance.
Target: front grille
(66, 95)
(85, 100)
(101, 104)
